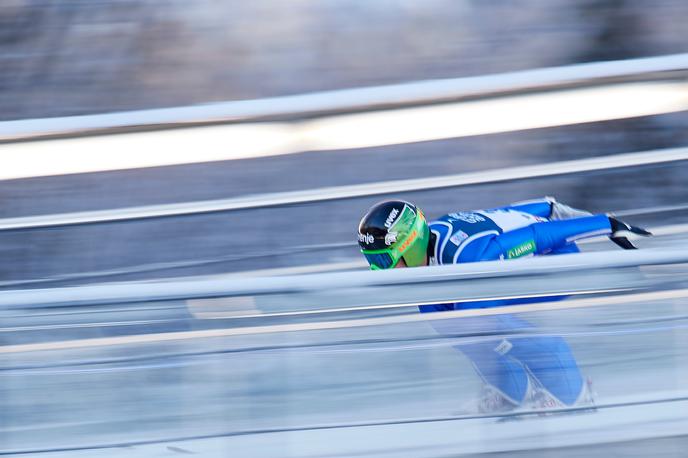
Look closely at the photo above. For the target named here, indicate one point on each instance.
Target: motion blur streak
(674, 229)
(347, 324)
(350, 100)
(151, 378)
(499, 115)
(180, 184)
(391, 127)
(390, 384)
(351, 191)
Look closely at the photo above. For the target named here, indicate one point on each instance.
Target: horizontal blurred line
(177, 265)
(433, 284)
(652, 210)
(401, 284)
(673, 397)
(354, 345)
(410, 305)
(361, 130)
(102, 324)
(342, 324)
(670, 229)
(352, 100)
(296, 270)
(158, 267)
(351, 191)
(489, 116)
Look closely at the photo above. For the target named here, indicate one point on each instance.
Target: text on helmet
(390, 218)
(408, 241)
(365, 238)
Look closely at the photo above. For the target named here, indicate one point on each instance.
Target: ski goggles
(382, 259)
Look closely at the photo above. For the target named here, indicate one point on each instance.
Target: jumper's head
(391, 231)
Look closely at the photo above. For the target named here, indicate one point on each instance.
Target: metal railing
(545, 82)
(355, 100)
(337, 301)
(347, 192)
(612, 278)
(397, 287)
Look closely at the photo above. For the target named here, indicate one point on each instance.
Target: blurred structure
(282, 366)
(79, 57)
(65, 58)
(337, 364)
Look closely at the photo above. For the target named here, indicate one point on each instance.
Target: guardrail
(347, 192)
(356, 118)
(397, 287)
(354, 100)
(62, 318)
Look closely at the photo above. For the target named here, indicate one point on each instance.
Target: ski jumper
(534, 228)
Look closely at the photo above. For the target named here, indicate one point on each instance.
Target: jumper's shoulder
(470, 222)
(456, 231)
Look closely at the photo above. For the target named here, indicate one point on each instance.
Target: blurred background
(77, 57)
(63, 61)
(84, 57)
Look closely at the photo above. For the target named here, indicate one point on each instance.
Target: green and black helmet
(392, 230)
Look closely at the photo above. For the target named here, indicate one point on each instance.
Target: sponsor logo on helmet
(365, 238)
(412, 236)
(467, 217)
(390, 218)
(391, 237)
